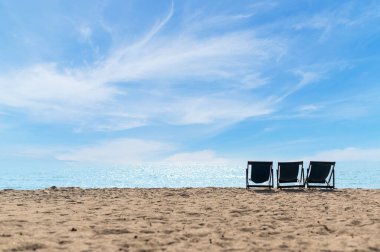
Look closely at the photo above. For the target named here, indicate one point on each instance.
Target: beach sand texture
(189, 219)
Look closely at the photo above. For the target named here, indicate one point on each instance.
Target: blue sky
(126, 82)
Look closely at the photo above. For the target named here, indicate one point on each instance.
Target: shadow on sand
(265, 191)
(293, 190)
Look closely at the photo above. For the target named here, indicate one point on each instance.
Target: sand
(189, 219)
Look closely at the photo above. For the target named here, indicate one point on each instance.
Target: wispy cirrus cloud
(347, 154)
(208, 110)
(197, 157)
(122, 151)
(85, 31)
(45, 92)
(227, 56)
(305, 78)
(348, 16)
(107, 88)
(129, 151)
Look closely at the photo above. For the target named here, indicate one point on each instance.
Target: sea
(348, 175)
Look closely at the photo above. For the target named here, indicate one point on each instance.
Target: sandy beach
(197, 219)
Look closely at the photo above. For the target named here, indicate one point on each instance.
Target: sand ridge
(189, 219)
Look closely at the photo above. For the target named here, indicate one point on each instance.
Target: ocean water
(348, 175)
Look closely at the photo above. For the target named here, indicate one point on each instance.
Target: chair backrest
(260, 171)
(319, 171)
(288, 171)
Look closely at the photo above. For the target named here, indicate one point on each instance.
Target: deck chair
(290, 174)
(259, 174)
(319, 174)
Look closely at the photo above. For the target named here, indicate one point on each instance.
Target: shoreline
(184, 187)
(184, 219)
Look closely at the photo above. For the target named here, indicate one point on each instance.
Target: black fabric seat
(320, 173)
(291, 174)
(260, 173)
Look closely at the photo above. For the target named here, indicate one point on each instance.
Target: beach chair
(290, 174)
(259, 174)
(319, 174)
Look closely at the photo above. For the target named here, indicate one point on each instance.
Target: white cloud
(122, 151)
(118, 151)
(347, 16)
(261, 6)
(127, 151)
(67, 96)
(347, 154)
(200, 21)
(89, 98)
(198, 157)
(253, 81)
(305, 78)
(223, 56)
(43, 86)
(325, 21)
(116, 125)
(309, 108)
(156, 28)
(207, 110)
(85, 31)
(35, 152)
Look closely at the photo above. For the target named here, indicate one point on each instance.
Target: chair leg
(333, 178)
(270, 181)
(246, 178)
(278, 184)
